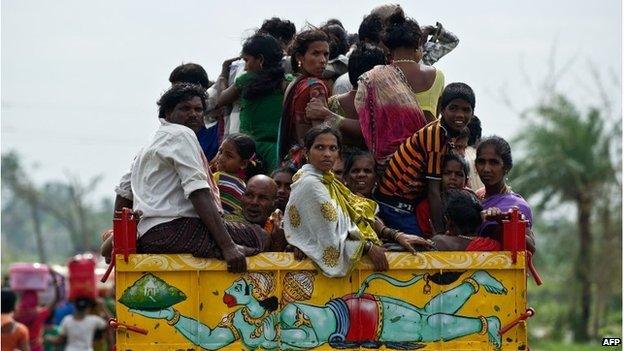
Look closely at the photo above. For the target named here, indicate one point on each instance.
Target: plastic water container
(82, 277)
(29, 276)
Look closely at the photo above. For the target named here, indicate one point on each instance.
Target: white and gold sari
(327, 221)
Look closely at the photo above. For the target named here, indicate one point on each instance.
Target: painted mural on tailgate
(259, 319)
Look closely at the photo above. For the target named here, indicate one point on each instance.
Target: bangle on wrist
(384, 232)
(396, 234)
(175, 318)
(336, 121)
(367, 246)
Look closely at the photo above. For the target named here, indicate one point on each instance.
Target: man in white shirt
(170, 184)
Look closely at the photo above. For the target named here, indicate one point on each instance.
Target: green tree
(68, 204)
(16, 180)
(569, 160)
(60, 208)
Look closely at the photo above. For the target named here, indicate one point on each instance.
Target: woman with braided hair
(261, 91)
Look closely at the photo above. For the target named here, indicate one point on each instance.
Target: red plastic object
(124, 237)
(125, 233)
(116, 325)
(29, 276)
(81, 270)
(530, 312)
(514, 234)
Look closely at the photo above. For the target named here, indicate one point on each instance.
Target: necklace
(253, 320)
(465, 237)
(405, 61)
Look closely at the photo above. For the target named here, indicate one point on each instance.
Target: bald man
(259, 203)
(259, 199)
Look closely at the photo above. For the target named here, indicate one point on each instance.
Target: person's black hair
(352, 39)
(302, 41)
(501, 147)
(474, 126)
(454, 156)
(284, 169)
(246, 148)
(190, 73)
(464, 210)
(338, 43)
(282, 30)
(457, 90)
(335, 21)
(82, 303)
(8, 300)
(370, 29)
(312, 133)
(354, 156)
(179, 93)
(271, 76)
(401, 32)
(363, 59)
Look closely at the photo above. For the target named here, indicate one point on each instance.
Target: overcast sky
(80, 79)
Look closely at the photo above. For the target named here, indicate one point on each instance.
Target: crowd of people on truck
(331, 145)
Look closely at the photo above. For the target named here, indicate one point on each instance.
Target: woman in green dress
(261, 91)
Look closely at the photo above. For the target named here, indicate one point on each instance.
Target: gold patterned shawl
(328, 222)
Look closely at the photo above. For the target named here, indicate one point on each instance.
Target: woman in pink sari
(386, 100)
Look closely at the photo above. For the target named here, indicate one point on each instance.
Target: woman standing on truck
(309, 55)
(387, 99)
(261, 91)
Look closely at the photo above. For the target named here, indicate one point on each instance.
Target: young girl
(235, 163)
(455, 172)
(359, 173)
(261, 91)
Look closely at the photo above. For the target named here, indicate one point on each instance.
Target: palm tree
(568, 159)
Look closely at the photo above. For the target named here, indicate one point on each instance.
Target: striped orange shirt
(418, 158)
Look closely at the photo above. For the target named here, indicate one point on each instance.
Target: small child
(235, 163)
(462, 212)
